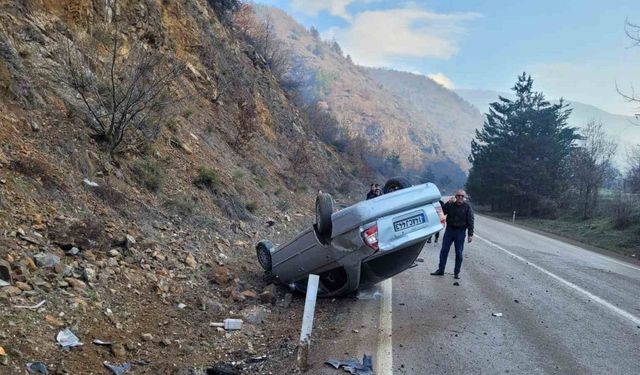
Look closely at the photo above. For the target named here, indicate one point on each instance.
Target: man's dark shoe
(437, 273)
(456, 276)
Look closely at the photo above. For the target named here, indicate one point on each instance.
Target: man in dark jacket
(374, 191)
(459, 219)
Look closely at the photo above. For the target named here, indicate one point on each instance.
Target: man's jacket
(459, 216)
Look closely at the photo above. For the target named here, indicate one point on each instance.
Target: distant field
(598, 232)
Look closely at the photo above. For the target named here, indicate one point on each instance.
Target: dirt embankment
(130, 250)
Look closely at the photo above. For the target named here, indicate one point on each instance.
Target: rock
(222, 276)
(190, 261)
(5, 271)
(129, 241)
(23, 286)
(254, 314)
(118, 350)
(237, 296)
(73, 251)
(90, 183)
(146, 337)
(181, 306)
(165, 342)
(10, 291)
(211, 305)
(46, 260)
(250, 294)
(53, 321)
(114, 253)
(35, 127)
(75, 283)
(89, 275)
(28, 263)
(269, 294)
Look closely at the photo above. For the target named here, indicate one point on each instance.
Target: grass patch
(207, 178)
(600, 231)
(252, 206)
(284, 205)
(148, 173)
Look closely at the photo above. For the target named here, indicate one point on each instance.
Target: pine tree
(519, 158)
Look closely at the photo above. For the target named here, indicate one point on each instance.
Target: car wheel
(396, 183)
(324, 209)
(263, 251)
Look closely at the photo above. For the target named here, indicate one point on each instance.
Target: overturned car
(360, 245)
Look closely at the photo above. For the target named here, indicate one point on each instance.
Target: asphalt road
(565, 310)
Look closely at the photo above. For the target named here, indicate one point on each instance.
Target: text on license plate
(409, 222)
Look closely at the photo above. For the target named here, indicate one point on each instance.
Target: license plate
(409, 222)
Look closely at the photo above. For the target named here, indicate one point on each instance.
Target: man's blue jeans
(455, 236)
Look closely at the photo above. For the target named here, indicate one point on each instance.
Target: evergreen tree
(519, 158)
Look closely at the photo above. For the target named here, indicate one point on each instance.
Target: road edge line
(571, 285)
(384, 362)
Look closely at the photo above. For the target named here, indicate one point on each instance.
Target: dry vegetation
(161, 198)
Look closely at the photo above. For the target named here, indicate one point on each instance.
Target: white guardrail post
(307, 321)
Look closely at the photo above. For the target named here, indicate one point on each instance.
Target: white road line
(384, 362)
(571, 285)
(609, 259)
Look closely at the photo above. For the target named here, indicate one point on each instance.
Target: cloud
(442, 80)
(336, 8)
(378, 37)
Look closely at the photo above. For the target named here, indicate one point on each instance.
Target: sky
(576, 49)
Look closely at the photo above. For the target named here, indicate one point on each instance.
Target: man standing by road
(459, 219)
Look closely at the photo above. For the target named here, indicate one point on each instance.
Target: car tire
(395, 183)
(263, 252)
(324, 209)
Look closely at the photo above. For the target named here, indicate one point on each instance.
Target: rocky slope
(360, 103)
(146, 249)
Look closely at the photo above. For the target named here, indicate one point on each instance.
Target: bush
(181, 205)
(284, 205)
(252, 206)
(207, 178)
(547, 209)
(148, 173)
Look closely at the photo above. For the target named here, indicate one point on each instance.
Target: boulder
(46, 260)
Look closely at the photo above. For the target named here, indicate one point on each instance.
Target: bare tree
(632, 178)
(590, 165)
(633, 32)
(123, 96)
(261, 34)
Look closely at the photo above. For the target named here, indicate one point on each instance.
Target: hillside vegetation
(383, 120)
(145, 147)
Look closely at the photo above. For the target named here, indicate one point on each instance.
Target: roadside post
(513, 218)
(307, 321)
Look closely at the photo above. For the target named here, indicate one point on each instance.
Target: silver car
(360, 245)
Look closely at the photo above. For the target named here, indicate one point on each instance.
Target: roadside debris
(498, 315)
(516, 301)
(37, 368)
(2, 352)
(229, 324)
(456, 283)
(103, 343)
(90, 183)
(420, 260)
(353, 366)
(34, 307)
(117, 369)
(369, 294)
(67, 339)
